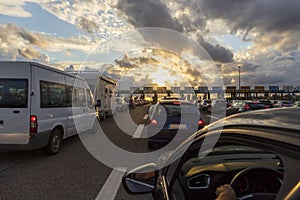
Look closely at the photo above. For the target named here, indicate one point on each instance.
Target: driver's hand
(225, 192)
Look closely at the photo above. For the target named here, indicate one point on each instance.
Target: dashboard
(246, 173)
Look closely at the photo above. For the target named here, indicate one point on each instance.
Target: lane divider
(112, 184)
(138, 132)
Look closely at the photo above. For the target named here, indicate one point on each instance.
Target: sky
(261, 36)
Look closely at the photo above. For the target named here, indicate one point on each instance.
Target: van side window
(68, 98)
(78, 97)
(13, 93)
(52, 94)
(90, 102)
(82, 100)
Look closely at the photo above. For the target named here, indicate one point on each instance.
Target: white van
(40, 106)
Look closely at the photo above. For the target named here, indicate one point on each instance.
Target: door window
(13, 93)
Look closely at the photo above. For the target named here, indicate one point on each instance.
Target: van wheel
(55, 142)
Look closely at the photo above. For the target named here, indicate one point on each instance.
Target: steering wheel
(254, 195)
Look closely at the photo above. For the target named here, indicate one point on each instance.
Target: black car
(268, 103)
(244, 106)
(256, 153)
(169, 117)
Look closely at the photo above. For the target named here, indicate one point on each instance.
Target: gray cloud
(263, 78)
(154, 13)
(246, 15)
(150, 13)
(218, 53)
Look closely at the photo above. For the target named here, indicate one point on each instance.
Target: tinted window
(90, 101)
(256, 105)
(53, 95)
(78, 97)
(13, 93)
(177, 109)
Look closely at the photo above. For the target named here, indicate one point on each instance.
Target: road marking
(111, 186)
(138, 132)
(146, 117)
(212, 117)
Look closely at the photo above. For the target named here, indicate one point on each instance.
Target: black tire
(55, 142)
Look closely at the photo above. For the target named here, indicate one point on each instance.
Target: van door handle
(16, 111)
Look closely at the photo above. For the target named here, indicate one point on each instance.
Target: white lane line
(138, 132)
(112, 184)
(212, 117)
(146, 117)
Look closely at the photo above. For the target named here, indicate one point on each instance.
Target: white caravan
(103, 88)
(40, 106)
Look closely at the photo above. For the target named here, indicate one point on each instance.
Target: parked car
(168, 117)
(258, 159)
(244, 106)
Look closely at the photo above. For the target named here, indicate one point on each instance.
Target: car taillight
(153, 121)
(201, 122)
(246, 106)
(33, 124)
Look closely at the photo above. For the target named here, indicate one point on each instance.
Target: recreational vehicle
(40, 106)
(103, 88)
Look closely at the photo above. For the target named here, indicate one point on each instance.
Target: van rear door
(14, 103)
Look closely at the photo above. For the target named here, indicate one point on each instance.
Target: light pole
(239, 81)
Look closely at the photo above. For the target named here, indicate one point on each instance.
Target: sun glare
(162, 77)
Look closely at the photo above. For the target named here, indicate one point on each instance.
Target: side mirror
(140, 183)
(98, 104)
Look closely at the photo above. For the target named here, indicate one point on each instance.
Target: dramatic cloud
(20, 44)
(271, 29)
(16, 44)
(150, 13)
(218, 53)
(154, 13)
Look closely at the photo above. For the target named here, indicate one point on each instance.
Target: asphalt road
(73, 173)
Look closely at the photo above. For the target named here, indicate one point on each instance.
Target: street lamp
(239, 66)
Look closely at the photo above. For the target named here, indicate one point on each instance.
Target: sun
(162, 77)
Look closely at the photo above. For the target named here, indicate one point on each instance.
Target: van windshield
(13, 93)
